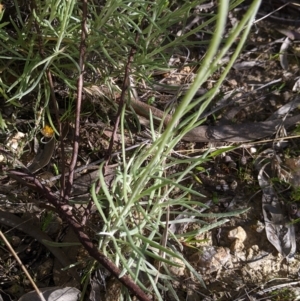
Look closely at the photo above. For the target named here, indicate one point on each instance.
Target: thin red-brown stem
(122, 101)
(82, 53)
(65, 211)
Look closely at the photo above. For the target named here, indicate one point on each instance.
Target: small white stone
(296, 87)
(177, 271)
(13, 143)
(238, 233)
(253, 150)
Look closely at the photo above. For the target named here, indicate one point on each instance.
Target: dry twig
(22, 266)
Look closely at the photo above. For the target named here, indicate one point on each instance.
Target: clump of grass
(141, 197)
(141, 203)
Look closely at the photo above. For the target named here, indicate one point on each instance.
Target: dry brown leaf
(43, 157)
(279, 230)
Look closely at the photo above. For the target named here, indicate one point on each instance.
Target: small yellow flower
(47, 131)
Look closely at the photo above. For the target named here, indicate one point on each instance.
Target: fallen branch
(65, 212)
